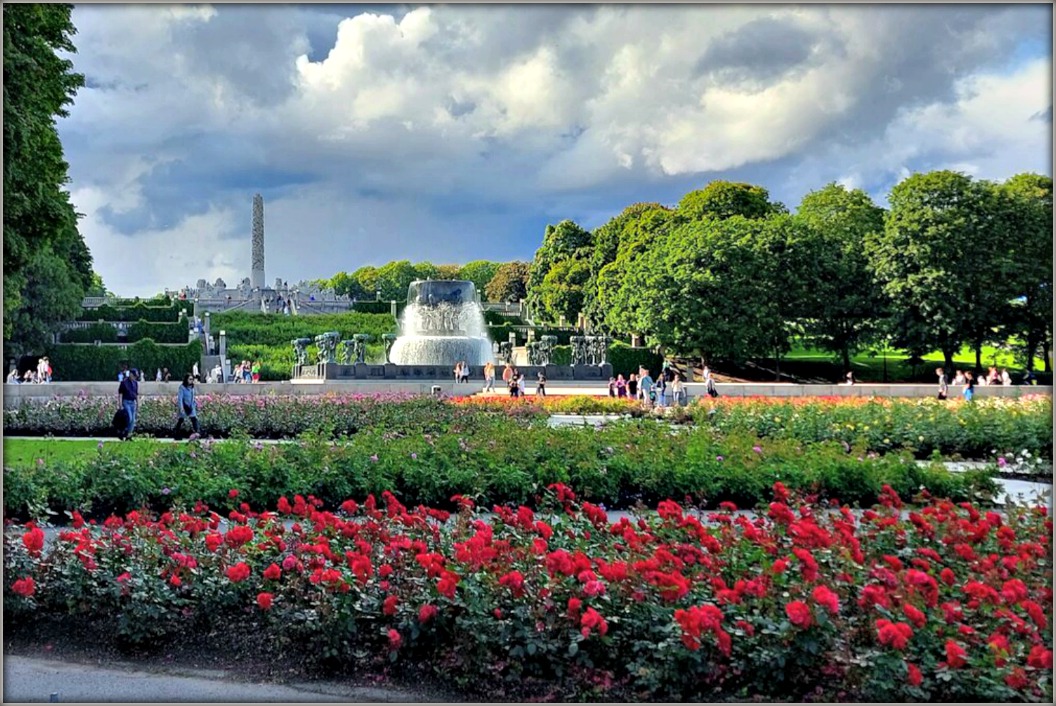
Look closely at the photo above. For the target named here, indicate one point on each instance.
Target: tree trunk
(1032, 345)
(979, 356)
(947, 356)
(777, 361)
(846, 359)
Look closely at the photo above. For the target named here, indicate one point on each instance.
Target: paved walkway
(33, 679)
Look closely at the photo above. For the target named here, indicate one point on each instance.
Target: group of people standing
(667, 388)
(968, 380)
(39, 375)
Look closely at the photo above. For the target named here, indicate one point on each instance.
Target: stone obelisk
(256, 278)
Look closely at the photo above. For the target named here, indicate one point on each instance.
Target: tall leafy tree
(1028, 205)
(479, 272)
(726, 199)
(510, 283)
(40, 225)
(393, 279)
(705, 288)
(844, 308)
(940, 263)
(625, 233)
(565, 241)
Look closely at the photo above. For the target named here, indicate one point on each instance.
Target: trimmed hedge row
(619, 465)
(138, 312)
(81, 362)
(107, 333)
(259, 329)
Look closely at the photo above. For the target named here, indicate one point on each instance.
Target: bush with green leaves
(85, 362)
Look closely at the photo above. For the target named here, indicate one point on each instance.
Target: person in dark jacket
(186, 407)
(128, 396)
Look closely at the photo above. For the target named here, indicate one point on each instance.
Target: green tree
(939, 263)
(479, 272)
(845, 307)
(40, 226)
(49, 296)
(97, 288)
(366, 279)
(705, 289)
(510, 283)
(624, 235)
(563, 289)
(726, 199)
(565, 241)
(1028, 205)
(394, 278)
(426, 270)
(448, 271)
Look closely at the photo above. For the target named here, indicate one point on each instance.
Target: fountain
(442, 324)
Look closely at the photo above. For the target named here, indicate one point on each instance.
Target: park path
(29, 679)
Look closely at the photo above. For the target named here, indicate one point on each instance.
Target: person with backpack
(128, 398)
(186, 408)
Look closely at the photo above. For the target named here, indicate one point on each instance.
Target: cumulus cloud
(377, 133)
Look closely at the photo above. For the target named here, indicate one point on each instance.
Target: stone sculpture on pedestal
(300, 349)
(327, 344)
(359, 343)
(388, 339)
(347, 350)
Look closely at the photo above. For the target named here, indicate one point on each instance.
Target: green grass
(25, 453)
(870, 368)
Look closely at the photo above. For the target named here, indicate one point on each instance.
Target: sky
(456, 133)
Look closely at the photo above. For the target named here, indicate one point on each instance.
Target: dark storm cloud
(758, 52)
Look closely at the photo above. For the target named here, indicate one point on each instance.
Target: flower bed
(977, 429)
(800, 603)
(620, 464)
(981, 429)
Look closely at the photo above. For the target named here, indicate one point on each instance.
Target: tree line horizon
(728, 274)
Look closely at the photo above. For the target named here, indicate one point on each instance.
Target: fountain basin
(440, 350)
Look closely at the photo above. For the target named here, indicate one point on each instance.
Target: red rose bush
(941, 601)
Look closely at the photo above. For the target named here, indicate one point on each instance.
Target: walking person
(458, 372)
(520, 385)
(632, 386)
(511, 384)
(621, 386)
(128, 398)
(465, 371)
(489, 377)
(540, 390)
(944, 388)
(969, 386)
(186, 408)
(255, 371)
(612, 387)
(677, 390)
(507, 374)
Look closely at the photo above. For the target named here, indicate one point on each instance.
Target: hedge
(138, 312)
(78, 361)
(626, 359)
(378, 307)
(259, 329)
(106, 333)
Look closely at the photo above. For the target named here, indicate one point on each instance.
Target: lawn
(21, 453)
(871, 368)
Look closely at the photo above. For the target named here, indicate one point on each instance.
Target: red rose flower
(947, 576)
(264, 600)
(33, 541)
(273, 572)
(426, 613)
(824, 596)
(213, 540)
(592, 620)
(233, 493)
(27, 586)
(914, 677)
(394, 639)
(915, 615)
(799, 613)
(1040, 658)
(175, 580)
(1017, 679)
(388, 607)
(895, 635)
(955, 654)
(238, 572)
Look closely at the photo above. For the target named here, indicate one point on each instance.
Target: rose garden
(734, 549)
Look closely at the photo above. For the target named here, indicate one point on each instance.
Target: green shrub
(626, 360)
(103, 332)
(71, 361)
(259, 329)
(138, 312)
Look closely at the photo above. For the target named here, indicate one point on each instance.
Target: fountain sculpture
(442, 324)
